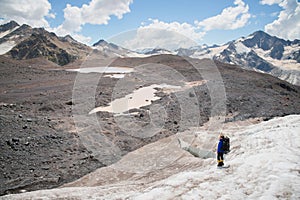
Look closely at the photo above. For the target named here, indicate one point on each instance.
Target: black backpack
(226, 145)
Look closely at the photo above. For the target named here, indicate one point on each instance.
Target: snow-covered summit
(264, 164)
(158, 51)
(259, 52)
(112, 50)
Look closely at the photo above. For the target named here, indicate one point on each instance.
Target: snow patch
(284, 64)
(291, 78)
(241, 48)
(117, 76)
(137, 55)
(3, 34)
(6, 47)
(209, 53)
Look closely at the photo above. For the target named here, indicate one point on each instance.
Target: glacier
(264, 164)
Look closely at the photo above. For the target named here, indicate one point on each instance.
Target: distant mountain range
(259, 51)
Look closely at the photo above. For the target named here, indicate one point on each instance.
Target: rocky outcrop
(8, 26)
(38, 45)
(28, 43)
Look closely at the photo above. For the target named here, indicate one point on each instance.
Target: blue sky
(204, 22)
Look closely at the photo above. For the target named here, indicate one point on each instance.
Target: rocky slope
(44, 146)
(25, 42)
(39, 147)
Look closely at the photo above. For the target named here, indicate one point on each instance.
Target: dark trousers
(220, 158)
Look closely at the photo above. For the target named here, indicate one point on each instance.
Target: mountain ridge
(24, 42)
(8, 26)
(258, 51)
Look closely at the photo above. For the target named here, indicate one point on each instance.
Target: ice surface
(264, 164)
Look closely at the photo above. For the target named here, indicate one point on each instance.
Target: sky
(153, 23)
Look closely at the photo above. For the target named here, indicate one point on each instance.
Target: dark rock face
(37, 42)
(251, 60)
(38, 45)
(258, 63)
(20, 33)
(263, 40)
(277, 51)
(266, 42)
(8, 26)
(100, 43)
(296, 56)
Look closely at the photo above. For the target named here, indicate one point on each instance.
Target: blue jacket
(220, 146)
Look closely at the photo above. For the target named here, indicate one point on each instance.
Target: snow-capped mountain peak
(258, 51)
(111, 49)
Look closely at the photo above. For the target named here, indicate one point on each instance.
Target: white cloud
(174, 35)
(270, 2)
(96, 12)
(160, 34)
(77, 36)
(230, 18)
(26, 12)
(287, 25)
(35, 13)
(81, 38)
